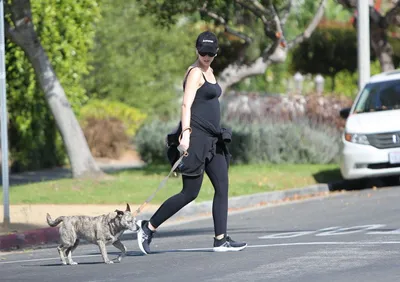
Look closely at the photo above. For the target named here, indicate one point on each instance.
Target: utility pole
(363, 42)
(4, 119)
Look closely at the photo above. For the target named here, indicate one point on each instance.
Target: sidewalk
(60, 172)
(42, 235)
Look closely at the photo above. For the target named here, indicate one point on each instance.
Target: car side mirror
(344, 113)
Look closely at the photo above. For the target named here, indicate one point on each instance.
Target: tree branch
(261, 12)
(286, 12)
(220, 20)
(278, 24)
(311, 27)
(392, 17)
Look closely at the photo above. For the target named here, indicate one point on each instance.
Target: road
(352, 236)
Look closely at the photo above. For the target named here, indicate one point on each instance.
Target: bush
(346, 83)
(253, 108)
(274, 141)
(328, 51)
(106, 138)
(150, 140)
(268, 141)
(131, 117)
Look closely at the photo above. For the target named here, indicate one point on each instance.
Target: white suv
(371, 140)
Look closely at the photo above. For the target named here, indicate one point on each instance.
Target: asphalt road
(354, 236)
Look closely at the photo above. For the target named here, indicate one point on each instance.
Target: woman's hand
(185, 141)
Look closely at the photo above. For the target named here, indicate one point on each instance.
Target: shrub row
(277, 142)
(270, 141)
(255, 107)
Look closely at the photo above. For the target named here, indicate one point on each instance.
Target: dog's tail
(54, 223)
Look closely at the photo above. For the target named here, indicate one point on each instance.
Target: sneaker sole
(225, 249)
(139, 237)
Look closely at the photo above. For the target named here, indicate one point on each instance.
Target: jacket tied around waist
(205, 141)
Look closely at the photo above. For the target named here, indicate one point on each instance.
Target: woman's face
(205, 58)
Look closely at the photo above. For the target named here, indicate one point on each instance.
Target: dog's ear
(119, 212)
(128, 208)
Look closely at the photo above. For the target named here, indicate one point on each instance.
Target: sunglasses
(210, 54)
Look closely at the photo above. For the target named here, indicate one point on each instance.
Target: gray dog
(101, 230)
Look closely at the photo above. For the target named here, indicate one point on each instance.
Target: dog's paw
(109, 262)
(73, 263)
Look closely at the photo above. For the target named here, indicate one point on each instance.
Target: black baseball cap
(207, 42)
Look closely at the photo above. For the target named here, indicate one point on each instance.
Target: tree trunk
(382, 49)
(80, 157)
(379, 25)
(24, 36)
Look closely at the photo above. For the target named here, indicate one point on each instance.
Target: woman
(203, 139)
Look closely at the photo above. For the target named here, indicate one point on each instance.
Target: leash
(161, 185)
(164, 181)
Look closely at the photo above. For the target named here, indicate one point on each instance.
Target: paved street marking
(334, 231)
(350, 230)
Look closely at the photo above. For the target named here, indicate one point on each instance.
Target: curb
(259, 199)
(50, 235)
(29, 238)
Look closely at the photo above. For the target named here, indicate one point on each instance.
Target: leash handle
(162, 184)
(185, 153)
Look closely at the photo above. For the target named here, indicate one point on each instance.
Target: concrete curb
(29, 238)
(50, 235)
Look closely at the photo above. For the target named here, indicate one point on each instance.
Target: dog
(101, 230)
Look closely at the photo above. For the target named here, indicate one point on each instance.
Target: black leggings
(217, 171)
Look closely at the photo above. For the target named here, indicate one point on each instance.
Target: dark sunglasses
(210, 54)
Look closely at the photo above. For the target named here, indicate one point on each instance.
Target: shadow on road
(336, 183)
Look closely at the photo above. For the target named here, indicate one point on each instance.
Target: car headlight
(356, 138)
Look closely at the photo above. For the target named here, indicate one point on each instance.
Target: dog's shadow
(113, 256)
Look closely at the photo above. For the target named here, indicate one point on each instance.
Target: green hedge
(328, 51)
(65, 29)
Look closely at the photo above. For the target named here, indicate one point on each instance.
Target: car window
(379, 96)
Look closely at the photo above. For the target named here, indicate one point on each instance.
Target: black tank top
(206, 104)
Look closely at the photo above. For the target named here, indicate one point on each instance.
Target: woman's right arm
(193, 82)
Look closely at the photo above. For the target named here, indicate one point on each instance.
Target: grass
(134, 186)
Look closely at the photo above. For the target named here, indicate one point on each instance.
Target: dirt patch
(128, 157)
